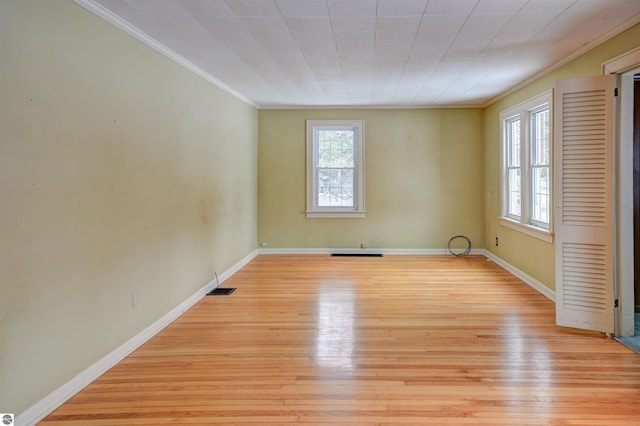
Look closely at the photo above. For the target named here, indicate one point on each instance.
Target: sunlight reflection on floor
(336, 335)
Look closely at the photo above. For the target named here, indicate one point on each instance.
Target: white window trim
(524, 110)
(532, 231)
(313, 211)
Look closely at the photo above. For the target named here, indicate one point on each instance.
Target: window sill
(529, 230)
(335, 214)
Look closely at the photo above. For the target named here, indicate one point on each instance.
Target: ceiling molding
(635, 19)
(123, 25)
(359, 107)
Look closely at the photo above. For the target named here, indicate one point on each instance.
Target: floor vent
(357, 254)
(219, 291)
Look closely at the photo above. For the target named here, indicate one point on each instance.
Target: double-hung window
(526, 167)
(335, 168)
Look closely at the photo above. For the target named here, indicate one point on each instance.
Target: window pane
(335, 167)
(514, 192)
(335, 187)
(540, 137)
(335, 148)
(540, 194)
(513, 143)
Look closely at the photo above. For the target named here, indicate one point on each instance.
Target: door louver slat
(584, 271)
(586, 167)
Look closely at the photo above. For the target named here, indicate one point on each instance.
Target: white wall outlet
(134, 299)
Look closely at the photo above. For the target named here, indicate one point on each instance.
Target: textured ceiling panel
(341, 53)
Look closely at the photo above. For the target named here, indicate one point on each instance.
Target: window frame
(313, 209)
(525, 112)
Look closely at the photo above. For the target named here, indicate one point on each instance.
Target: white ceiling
(393, 53)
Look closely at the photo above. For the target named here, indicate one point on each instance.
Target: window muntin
(335, 168)
(526, 165)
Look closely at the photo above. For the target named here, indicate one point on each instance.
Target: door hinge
(615, 303)
(615, 92)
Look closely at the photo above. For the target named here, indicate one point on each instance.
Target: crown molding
(141, 36)
(635, 19)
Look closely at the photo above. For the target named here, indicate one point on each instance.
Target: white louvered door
(583, 159)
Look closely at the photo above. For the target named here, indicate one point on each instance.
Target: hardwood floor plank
(318, 340)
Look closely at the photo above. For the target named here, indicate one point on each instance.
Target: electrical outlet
(496, 241)
(134, 299)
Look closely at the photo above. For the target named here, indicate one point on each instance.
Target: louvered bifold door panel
(583, 158)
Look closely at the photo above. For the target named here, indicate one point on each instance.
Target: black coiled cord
(459, 253)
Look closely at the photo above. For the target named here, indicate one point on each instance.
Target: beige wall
(423, 180)
(528, 254)
(120, 171)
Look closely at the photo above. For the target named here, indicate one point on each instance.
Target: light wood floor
(421, 340)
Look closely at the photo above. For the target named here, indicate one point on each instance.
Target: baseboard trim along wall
(44, 407)
(357, 250)
(47, 405)
(528, 279)
(537, 285)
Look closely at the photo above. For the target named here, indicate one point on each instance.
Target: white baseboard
(48, 404)
(355, 250)
(528, 279)
(537, 285)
